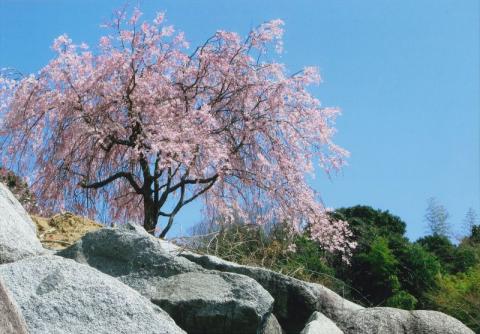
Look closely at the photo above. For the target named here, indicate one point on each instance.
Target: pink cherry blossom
(145, 126)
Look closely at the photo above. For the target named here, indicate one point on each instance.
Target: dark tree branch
(185, 202)
(164, 195)
(199, 193)
(194, 181)
(110, 179)
(179, 205)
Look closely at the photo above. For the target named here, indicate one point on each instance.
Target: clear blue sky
(405, 73)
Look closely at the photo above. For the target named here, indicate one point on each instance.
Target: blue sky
(405, 74)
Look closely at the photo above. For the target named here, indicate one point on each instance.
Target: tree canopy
(145, 125)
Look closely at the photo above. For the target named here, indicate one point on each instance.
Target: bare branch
(110, 179)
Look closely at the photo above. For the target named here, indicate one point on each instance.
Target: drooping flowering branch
(145, 127)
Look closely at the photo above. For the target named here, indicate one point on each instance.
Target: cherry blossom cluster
(142, 118)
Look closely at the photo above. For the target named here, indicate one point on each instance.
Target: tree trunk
(150, 216)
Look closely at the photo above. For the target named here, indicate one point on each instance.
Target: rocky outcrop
(200, 300)
(195, 289)
(18, 238)
(204, 294)
(58, 295)
(214, 303)
(11, 319)
(385, 320)
(295, 300)
(320, 324)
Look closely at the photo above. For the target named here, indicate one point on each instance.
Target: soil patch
(63, 229)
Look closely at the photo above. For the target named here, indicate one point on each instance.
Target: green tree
(372, 275)
(401, 272)
(365, 219)
(475, 235)
(442, 248)
(418, 270)
(459, 296)
(468, 251)
(374, 272)
(466, 256)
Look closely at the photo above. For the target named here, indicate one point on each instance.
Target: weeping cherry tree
(144, 124)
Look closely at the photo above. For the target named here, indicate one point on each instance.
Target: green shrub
(403, 300)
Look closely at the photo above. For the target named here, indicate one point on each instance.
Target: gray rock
(151, 267)
(271, 325)
(429, 322)
(385, 320)
(214, 302)
(59, 296)
(295, 300)
(11, 319)
(331, 304)
(128, 252)
(155, 268)
(320, 324)
(18, 237)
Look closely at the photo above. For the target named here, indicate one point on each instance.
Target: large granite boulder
(213, 302)
(200, 300)
(128, 253)
(386, 320)
(295, 300)
(271, 325)
(320, 324)
(11, 319)
(58, 296)
(18, 237)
